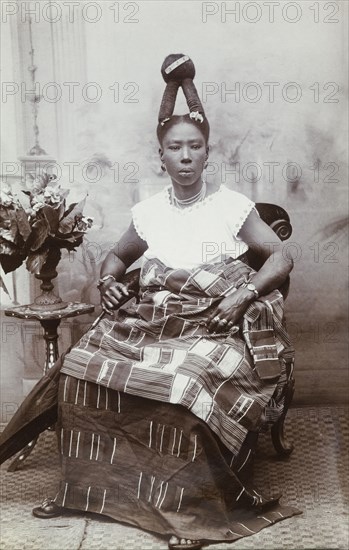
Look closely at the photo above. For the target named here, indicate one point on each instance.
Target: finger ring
(216, 319)
(224, 321)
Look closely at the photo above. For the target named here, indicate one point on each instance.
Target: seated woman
(157, 401)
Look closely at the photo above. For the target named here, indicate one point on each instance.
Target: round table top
(70, 310)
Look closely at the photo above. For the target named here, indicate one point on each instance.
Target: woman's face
(184, 153)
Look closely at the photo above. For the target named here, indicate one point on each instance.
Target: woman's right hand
(112, 293)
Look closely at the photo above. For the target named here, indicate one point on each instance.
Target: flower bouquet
(37, 232)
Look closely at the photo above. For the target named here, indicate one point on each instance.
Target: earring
(163, 167)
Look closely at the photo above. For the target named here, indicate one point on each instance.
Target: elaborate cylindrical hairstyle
(178, 70)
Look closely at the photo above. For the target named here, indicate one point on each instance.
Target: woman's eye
(174, 147)
(196, 146)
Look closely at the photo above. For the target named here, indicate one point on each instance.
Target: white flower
(6, 197)
(38, 205)
(51, 195)
(84, 223)
(36, 184)
(38, 198)
(88, 220)
(38, 202)
(197, 116)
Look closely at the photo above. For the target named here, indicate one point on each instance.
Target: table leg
(51, 338)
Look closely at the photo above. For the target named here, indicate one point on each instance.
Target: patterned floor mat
(314, 478)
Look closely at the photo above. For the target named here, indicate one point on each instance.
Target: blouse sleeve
(239, 208)
(145, 216)
(139, 219)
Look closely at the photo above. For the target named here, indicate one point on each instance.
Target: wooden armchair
(278, 219)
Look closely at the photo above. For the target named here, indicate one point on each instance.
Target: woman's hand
(229, 311)
(112, 293)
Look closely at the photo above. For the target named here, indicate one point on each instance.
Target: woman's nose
(186, 154)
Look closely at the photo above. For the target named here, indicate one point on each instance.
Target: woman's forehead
(183, 131)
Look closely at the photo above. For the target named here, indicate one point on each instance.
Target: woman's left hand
(229, 311)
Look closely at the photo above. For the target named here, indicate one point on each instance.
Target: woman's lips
(186, 171)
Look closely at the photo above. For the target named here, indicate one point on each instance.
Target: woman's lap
(151, 464)
(161, 466)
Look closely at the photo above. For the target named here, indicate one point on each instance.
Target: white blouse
(185, 238)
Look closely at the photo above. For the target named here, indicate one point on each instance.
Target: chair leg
(283, 447)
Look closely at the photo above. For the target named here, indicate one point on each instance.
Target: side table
(50, 321)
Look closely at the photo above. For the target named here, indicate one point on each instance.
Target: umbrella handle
(103, 313)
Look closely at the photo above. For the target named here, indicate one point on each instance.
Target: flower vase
(48, 300)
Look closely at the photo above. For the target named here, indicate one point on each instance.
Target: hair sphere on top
(179, 73)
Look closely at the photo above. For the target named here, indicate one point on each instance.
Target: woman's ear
(206, 157)
(161, 153)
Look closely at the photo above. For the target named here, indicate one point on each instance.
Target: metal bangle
(104, 280)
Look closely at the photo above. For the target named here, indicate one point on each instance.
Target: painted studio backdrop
(272, 79)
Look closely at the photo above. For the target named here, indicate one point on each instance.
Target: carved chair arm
(277, 218)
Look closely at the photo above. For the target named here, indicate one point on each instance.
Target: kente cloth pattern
(160, 349)
(156, 466)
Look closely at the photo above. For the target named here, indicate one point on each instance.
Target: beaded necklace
(183, 203)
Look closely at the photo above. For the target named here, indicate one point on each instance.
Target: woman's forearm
(230, 310)
(127, 250)
(112, 265)
(273, 273)
(112, 290)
